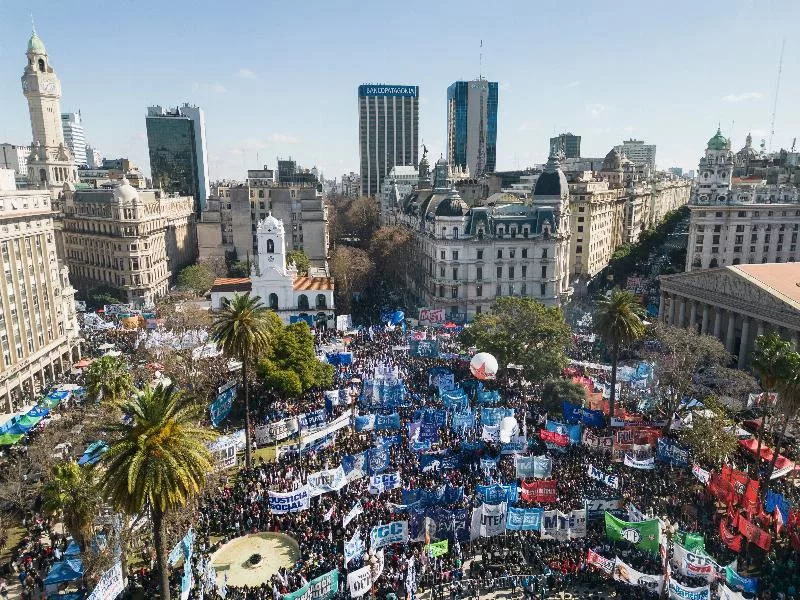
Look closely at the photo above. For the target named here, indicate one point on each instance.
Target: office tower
(568, 144)
(50, 163)
(176, 141)
(639, 153)
(388, 131)
(93, 158)
(74, 138)
(14, 158)
(38, 328)
(472, 125)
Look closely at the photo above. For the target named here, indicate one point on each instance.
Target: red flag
(554, 438)
(753, 533)
(539, 491)
(731, 539)
(733, 514)
(721, 488)
(750, 500)
(601, 562)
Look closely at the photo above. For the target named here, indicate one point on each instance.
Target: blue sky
(281, 78)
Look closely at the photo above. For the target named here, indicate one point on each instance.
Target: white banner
(627, 574)
(726, 593)
(647, 464)
(635, 515)
(285, 502)
(384, 483)
(353, 547)
(359, 581)
(338, 423)
(696, 564)
(274, 432)
(325, 481)
(488, 520)
(110, 585)
(681, 592)
(391, 533)
(702, 475)
(563, 526)
(354, 512)
(608, 479)
(491, 433)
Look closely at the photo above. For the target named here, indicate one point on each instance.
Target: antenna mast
(777, 89)
(480, 62)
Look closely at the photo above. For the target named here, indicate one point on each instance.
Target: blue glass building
(472, 125)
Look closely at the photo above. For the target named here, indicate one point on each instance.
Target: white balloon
(483, 366)
(508, 428)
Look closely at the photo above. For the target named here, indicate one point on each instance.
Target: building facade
(464, 258)
(567, 145)
(130, 241)
(748, 222)
(388, 131)
(639, 153)
(50, 162)
(74, 136)
(277, 282)
(15, 158)
(38, 326)
(472, 125)
(176, 141)
(735, 304)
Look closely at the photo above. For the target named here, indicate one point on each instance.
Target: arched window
(302, 302)
(42, 175)
(736, 261)
(321, 303)
(41, 65)
(270, 246)
(713, 263)
(455, 233)
(273, 301)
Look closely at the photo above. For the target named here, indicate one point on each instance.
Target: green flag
(645, 535)
(691, 541)
(437, 549)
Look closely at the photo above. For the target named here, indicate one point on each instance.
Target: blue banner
(365, 422)
(495, 494)
(355, 462)
(435, 462)
(774, 500)
(542, 467)
(428, 432)
(431, 415)
(493, 416)
(577, 414)
(455, 400)
(524, 519)
(517, 445)
(462, 421)
(221, 407)
(670, 452)
(312, 420)
(389, 441)
(472, 448)
(440, 523)
(378, 460)
(453, 494)
(424, 348)
(487, 464)
(383, 394)
(739, 583)
(490, 397)
(573, 431)
(525, 466)
(377, 422)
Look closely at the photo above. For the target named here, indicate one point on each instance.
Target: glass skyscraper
(472, 125)
(178, 158)
(388, 131)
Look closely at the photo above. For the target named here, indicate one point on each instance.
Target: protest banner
(596, 442)
(739, 583)
(524, 467)
(353, 513)
(286, 502)
(488, 520)
(437, 549)
(277, 431)
(524, 519)
(670, 452)
(601, 562)
(563, 526)
(702, 475)
(542, 467)
(383, 483)
(353, 548)
(610, 480)
(359, 582)
(645, 535)
(495, 494)
(678, 591)
(539, 491)
(391, 533)
(627, 574)
(552, 437)
(597, 507)
(432, 316)
(646, 464)
(220, 408)
(312, 420)
(111, 584)
(324, 586)
(328, 480)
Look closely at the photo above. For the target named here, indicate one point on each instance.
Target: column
(693, 316)
(760, 328)
(682, 313)
(744, 345)
(661, 302)
(704, 322)
(795, 338)
(52, 370)
(672, 302)
(729, 338)
(61, 364)
(717, 322)
(9, 404)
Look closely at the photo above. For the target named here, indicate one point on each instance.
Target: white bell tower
(271, 249)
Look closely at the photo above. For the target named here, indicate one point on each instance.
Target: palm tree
(72, 492)
(769, 362)
(109, 379)
(788, 405)
(618, 320)
(159, 461)
(243, 330)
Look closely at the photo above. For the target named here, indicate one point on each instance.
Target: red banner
(744, 488)
(731, 539)
(539, 491)
(554, 438)
(721, 488)
(753, 533)
(601, 562)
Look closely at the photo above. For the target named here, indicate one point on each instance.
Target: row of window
(512, 253)
(512, 291)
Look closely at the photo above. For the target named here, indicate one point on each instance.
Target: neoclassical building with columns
(735, 304)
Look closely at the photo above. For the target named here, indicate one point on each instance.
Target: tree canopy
(290, 366)
(555, 391)
(711, 439)
(300, 260)
(522, 331)
(196, 278)
(352, 269)
(109, 379)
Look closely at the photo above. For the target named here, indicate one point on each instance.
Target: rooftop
(779, 279)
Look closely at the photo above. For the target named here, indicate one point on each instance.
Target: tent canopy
(9, 439)
(68, 569)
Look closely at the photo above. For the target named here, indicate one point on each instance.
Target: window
(742, 213)
(302, 302)
(455, 233)
(511, 272)
(273, 301)
(455, 274)
(443, 254)
(441, 291)
(544, 252)
(479, 273)
(580, 219)
(441, 272)
(512, 253)
(499, 272)
(578, 249)
(544, 271)
(499, 253)
(321, 302)
(261, 195)
(479, 291)
(524, 253)
(478, 309)
(542, 289)
(580, 228)
(480, 253)
(715, 239)
(455, 254)
(581, 209)
(498, 291)
(524, 271)
(270, 247)
(454, 291)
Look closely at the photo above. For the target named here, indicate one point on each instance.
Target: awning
(69, 569)
(82, 364)
(782, 465)
(9, 439)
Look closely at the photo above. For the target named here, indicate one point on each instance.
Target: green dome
(36, 45)
(718, 142)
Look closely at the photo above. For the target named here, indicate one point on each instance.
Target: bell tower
(50, 163)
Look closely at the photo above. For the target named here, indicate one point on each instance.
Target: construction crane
(777, 89)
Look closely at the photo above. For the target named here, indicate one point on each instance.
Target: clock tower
(50, 163)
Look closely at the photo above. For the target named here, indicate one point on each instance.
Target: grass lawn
(15, 534)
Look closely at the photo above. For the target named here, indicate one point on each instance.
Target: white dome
(270, 223)
(125, 192)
